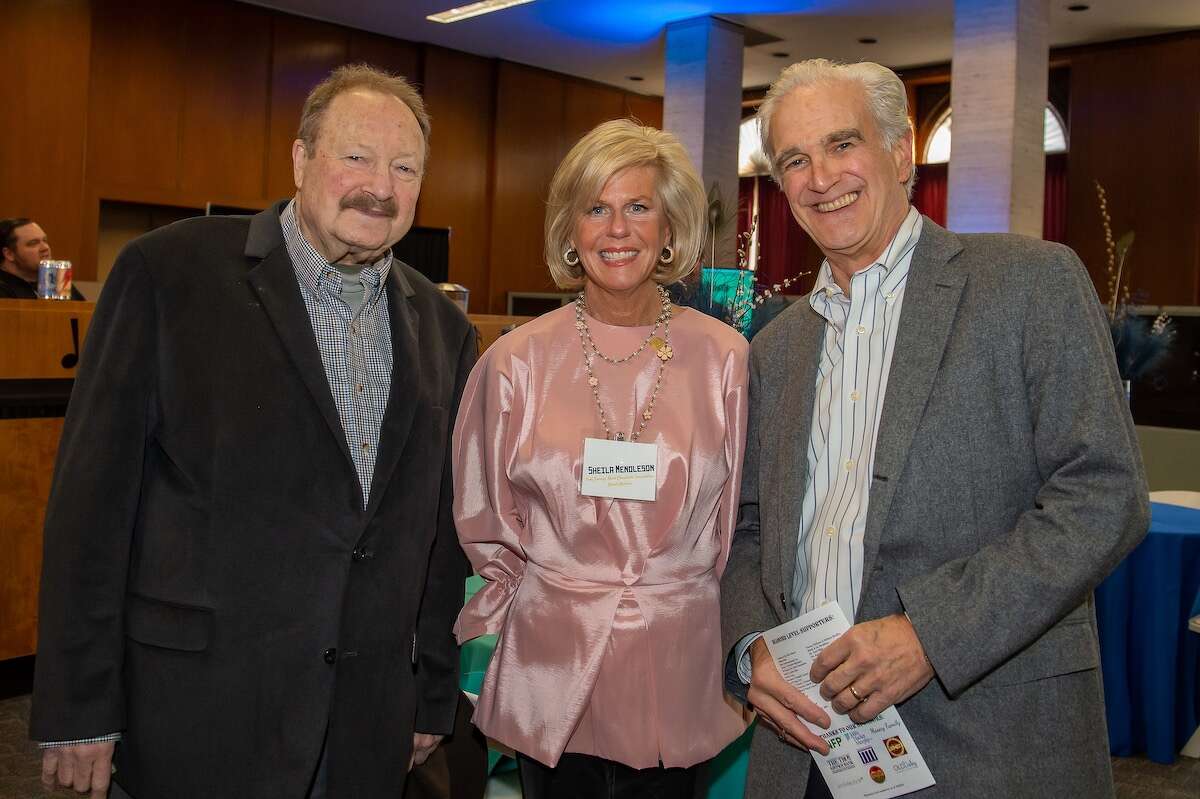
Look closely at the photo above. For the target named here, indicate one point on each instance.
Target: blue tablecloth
(1151, 661)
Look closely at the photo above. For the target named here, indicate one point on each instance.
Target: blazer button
(331, 656)
(362, 553)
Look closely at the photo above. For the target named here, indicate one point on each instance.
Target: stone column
(998, 101)
(702, 105)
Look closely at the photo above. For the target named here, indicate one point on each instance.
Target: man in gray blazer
(938, 442)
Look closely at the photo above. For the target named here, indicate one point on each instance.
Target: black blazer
(211, 583)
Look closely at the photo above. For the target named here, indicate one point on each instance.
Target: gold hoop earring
(667, 255)
(571, 257)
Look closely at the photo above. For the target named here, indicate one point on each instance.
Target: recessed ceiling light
(868, 40)
(781, 55)
(636, 78)
(1078, 7)
(474, 10)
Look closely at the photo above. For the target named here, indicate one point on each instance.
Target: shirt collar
(316, 273)
(898, 251)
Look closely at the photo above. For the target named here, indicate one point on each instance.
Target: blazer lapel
(274, 281)
(405, 390)
(931, 299)
(787, 471)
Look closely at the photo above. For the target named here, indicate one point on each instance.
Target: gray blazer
(1007, 485)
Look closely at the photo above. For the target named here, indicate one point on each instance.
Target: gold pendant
(662, 349)
(620, 437)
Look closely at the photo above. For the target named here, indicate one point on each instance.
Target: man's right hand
(778, 703)
(85, 767)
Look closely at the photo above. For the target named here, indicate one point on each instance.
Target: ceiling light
(474, 10)
(868, 40)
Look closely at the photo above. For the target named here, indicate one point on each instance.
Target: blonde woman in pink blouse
(607, 677)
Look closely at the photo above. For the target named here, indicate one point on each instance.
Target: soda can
(54, 280)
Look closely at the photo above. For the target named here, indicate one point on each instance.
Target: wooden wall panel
(27, 449)
(179, 102)
(647, 110)
(529, 144)
(1135, 126)
(42, 138)
(456, 193)
(304, 52)
(383, 52)
(136, 97)
(224, 123)
(586, 105)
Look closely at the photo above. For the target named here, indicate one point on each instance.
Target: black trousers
(586, 777)
(817, 789)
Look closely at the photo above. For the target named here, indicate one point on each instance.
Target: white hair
(886, 99)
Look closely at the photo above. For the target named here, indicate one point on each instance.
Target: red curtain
(1054, 208)
(784, 249)
(929, 195)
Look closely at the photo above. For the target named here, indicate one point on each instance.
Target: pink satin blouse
(607, 609)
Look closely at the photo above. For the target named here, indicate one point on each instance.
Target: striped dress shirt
(856, 357)
(355, 342)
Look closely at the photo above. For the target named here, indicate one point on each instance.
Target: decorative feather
(1140, 345)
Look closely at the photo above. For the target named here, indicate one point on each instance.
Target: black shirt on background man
(23, 245)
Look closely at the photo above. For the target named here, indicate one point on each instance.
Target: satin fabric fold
(607, 610)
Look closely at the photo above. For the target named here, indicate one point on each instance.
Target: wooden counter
(39, 346)
(37, 337)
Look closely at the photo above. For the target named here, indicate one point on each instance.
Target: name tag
(619, 469)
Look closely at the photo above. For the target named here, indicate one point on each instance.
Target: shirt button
(366, 446)
(860, 330)
(829, 531)
(330, 656)
(889, 296)
(850, 465)
(359, 388)
(855, 396)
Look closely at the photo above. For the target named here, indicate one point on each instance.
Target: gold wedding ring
(850, 688)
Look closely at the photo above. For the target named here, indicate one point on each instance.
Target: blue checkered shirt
(355, 343)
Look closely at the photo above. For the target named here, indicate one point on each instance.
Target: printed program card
(876, 759)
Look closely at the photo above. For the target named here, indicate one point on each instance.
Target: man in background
(250, 568)
(23, 245)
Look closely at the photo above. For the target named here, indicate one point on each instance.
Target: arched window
(937, 146)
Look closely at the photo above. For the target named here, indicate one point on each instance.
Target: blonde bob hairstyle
(609, 148)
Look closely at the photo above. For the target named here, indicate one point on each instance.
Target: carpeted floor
(1136, 778)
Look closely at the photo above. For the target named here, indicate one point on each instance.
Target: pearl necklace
(662, 348)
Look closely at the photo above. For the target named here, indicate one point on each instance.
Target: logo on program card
(867, 755)
(835, 742)
(877, 774)
(895, 746)
(839, 763)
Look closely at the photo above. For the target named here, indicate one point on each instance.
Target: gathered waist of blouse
(569, 581)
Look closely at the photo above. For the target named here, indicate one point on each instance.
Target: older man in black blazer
(250, 564)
